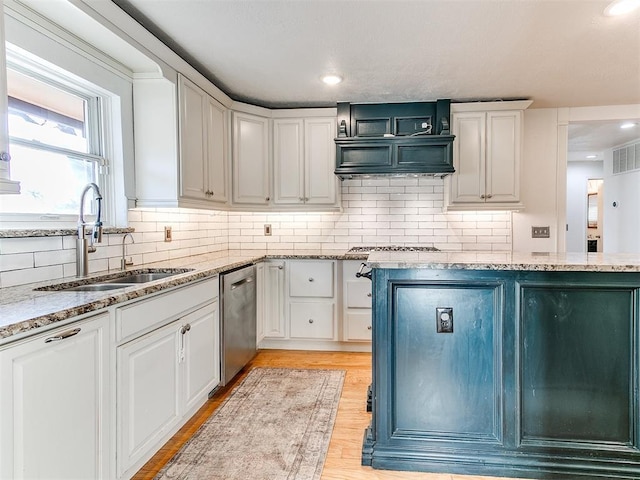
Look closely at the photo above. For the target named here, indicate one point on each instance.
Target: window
(56, 139)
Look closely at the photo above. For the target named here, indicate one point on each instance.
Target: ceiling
(558, 53)
(593, 138)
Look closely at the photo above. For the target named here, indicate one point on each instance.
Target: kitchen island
(506, 364)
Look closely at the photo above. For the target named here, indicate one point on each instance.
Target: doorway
(592, 187)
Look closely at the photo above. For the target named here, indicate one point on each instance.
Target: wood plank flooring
(343, 457)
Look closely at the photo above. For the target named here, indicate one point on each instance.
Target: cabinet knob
(311, 320)
(311, 279)
(5, 157)
(301, 199)
(483, 196)
(489, 196)
(306, 199)
(369, 327)
(267, 199)
(280, 267)
(369, 294)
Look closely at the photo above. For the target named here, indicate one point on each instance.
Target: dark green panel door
(577, 366)
(447, 385)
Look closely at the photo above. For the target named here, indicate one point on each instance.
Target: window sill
(57, 232)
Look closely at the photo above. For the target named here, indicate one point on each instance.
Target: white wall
(538, 187)
(578, 173)
(621, 229)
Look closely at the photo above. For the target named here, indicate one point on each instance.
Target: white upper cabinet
(202, 146)
(304, 161)
(486, 155)
(180, 145)
(251, 174)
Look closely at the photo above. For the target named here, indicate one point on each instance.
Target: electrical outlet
(540, 232)
(267, 229)
(444, 320)
(167, 234)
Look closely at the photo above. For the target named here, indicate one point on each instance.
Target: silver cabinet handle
(311, 320)
(369, 327)
(185, 328)
(5, 157)
(63, 335)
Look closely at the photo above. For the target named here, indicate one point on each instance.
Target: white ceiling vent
(626, 158)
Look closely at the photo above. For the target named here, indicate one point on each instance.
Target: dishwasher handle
(239, 283)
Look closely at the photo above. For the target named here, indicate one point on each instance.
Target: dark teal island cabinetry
(538, 378)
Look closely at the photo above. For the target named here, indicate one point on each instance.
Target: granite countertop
(23, 309)
(559, 262)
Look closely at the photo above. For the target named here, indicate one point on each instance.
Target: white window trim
(25, 62)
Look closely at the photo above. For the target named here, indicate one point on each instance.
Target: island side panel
(572, 337)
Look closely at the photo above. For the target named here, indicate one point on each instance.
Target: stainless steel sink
(95, 287)
(141, 277)
(113, 282)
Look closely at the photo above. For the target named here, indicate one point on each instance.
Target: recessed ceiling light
(621, 7)
(331, 79)
(627, 125)
(592, 156)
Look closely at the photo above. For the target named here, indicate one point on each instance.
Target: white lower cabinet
(312, 320)
(356, 311)
(54, 403)
(271, 309)
(164, 375)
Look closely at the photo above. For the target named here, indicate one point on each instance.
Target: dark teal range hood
(394, 139)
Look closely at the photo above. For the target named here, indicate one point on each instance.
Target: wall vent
(626, 158)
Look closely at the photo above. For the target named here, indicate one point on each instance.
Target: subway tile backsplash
(381, 211)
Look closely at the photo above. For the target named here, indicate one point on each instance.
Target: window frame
(98, 117)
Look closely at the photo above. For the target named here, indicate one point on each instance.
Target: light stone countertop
(23, 309)
(546, 262)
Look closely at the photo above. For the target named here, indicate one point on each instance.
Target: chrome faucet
(123, 261)
(84, 247)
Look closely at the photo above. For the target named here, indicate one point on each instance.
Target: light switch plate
(540, 232)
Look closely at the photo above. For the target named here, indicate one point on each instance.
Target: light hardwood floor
(343, 457)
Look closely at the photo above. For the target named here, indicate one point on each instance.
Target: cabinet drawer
(311, 320)
(358, 326)
(311, 278)
(358, 294)
(143, 316)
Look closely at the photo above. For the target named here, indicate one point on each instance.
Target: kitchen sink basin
(113, 282)
(95, 287)
(141, 277)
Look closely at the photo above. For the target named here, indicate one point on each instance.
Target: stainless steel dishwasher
(238, 322)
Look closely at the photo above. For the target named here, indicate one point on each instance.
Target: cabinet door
(320, 161)
(201, 347)
(193, 140)
(54, 404)
(250, 159)
(288, 161)
(358, 326)
(148, 393)
(503, 156)
(313, 320)
(311, 278)
(274, 318)
(260, 302)
(216, 151)
(468, 183)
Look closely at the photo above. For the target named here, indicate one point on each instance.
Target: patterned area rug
(275, 425)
